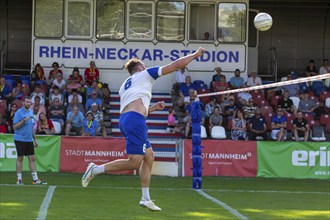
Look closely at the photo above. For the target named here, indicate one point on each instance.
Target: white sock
(98, 169)
(34, 176)
(19, 176)
(145, 193)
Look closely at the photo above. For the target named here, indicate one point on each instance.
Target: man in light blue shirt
(74, 121)
(236, 81)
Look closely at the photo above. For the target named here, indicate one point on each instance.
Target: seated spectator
(95, 88)
(279, 123)
(293, 89)
(306, 104)
(76, 74)
(91, 74)
(73, 84)
(244, 97)
(5, 90)
(36, 113)
(325, 68)
(206, 36)
(287, 104)
(73, 103)
(224, 99)
(75, 93)
(60, 83)
(98, 117)
(45, 126)
(39, 93)
(38, 75)
(185, 87)
(236, 81)
(10, 118)
(91, 100)
(20, 91)
(74, 121)
(300, 127)
(192, 97)
(56, 95)
(89, 126)
(258, 126)
(229, 110)
(37, 104)
(216, 77)
(215, 119)
(311, 69)
(171, 124)
(188, 120)
(221, 85)
(238, 127)
(254, 79)
(57, 112)
(180, 75)
(53, 73)
(249, 110)
(209, 107)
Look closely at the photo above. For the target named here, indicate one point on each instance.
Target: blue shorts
(134, 127)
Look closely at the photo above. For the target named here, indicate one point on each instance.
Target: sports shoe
(39, 182)
(88, 176)
(19, 182)
(149, 204)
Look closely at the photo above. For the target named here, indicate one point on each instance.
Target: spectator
(74, 121)
(249, 110)
(10, 118)
(244, 97)
(73, 103)
(91, 74)
(185, 87)
(206, 36)
(325, 68)
(19, 91)
(221, 85)
(98, 117)
(76, 74)
(209, 107)
(60, 83)
(293, 89)
(73, 84)
(279, 123)
(225, 99)
(229, 110)
(306, 104)
(300, 127)
(311, 69)
(95, 88)
(171, 124)
(188, 121)
(56, 95)
(38, 92)
(75, 93)
(37, 75)
(53, 73)
(45, 126)
(36, 113)
(57, 112)
(91, 100)
(89, 126)
(236, 81)
(258, 126)
(37, 104)
(192, 97)
(238, 127)
(254, 79)
(216, 77)
(180, 75)
(287, 104)
(215, 118)
(5, 90)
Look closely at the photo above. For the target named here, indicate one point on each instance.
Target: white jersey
(139, 86)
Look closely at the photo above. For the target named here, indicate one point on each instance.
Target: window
(140, 22)
(253, 33)
(48, 21)
(170, 21)
(110, 19)
(79, 16)
(202, 21)
(232, 22)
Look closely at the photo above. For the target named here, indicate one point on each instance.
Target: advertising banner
(223, 158)
(47, 154)
(78, 152)
(294, 159)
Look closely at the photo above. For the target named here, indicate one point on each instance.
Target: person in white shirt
(180, 75)
(254, 80)
(325, 68)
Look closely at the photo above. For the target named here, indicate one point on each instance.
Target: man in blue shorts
(135, 96)
(25, 141)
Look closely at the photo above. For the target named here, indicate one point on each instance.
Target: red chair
(256, 93)
(274, 101)
(324, 95)
(259, 100)
(327, 128)
(308, 117)
(315, 98)
(289, 120)
(266, 109)
(314, 123)
(325, 119)
(268, 118)
(3, 107)
(204, 99)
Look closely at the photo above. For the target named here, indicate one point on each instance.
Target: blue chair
(303, 87)
(199, 84)
(11, 82)
(318, 87)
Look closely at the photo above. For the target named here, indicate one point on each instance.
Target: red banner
(78, 152)
(224, 158)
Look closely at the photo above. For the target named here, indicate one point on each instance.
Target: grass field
(117, 197)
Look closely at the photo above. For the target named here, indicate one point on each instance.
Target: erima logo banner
(10, 152)
(311, 158)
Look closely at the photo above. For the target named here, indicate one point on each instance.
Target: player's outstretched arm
(156, 107)
(182, 62)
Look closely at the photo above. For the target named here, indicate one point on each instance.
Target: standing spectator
(56, 95)
(74, 121)
(325, 68)
(38, 92)
(287, 104)
(249, 110)
(60, 83)
(236, 81)
(25, 141)
(91, 100)
(10, 118)
(238, 127)
(221, 85)
(180, 75)
(37, 104)
(89, 126)
(98, 117)
(5, 90)
(216, 77)
(215, 118)
(73, 103)
(307, 105)
(38, 75)
(311, 69)
(57, 112)
(300, 127)
(45, 126)
(91, 74)
(53, 73)
(254, 79)
(279, 123)
(258, 126)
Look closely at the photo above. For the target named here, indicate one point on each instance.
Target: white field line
(45, 204)
(223, 205)
(182, 189)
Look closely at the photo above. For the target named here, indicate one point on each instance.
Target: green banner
(299, 160)
(47, 154)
